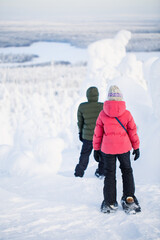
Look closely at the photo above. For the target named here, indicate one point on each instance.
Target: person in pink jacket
(115, 135)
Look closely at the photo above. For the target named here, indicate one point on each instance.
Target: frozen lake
(47, 52)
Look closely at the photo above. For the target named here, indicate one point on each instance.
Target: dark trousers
(84, 158)
(109, 190)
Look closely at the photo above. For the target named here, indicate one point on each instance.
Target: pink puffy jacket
(109, 135)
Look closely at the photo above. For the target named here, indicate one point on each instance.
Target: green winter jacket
(88, 112)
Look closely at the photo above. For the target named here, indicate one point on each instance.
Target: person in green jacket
(87, 115)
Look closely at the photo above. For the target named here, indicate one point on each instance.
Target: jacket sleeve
(98, 133)
(132, 132)
(80, 119)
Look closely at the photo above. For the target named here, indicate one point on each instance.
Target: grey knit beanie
(114, 94)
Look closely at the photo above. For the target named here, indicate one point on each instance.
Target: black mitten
(136, 153)
(97, 155)
(80, 137)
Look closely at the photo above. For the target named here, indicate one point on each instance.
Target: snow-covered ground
(40, 197)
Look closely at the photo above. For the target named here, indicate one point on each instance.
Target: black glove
(80, 137)
(136, 153)
(97, 155)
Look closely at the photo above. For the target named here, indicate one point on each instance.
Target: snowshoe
(106, 208)
(130, 205)
(79, 172)
(98, 175)
(78, 175)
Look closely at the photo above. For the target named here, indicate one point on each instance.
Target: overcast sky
(43, 9)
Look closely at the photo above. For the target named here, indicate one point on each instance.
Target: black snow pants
(84, 159)
(109, 190)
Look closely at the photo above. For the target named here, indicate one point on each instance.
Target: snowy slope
(39, 195)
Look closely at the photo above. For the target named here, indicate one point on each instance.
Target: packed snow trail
(64, 207)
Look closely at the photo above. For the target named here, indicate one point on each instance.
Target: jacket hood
(114, 108)
(92, 94)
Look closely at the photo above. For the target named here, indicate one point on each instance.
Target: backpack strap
(121, 124)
